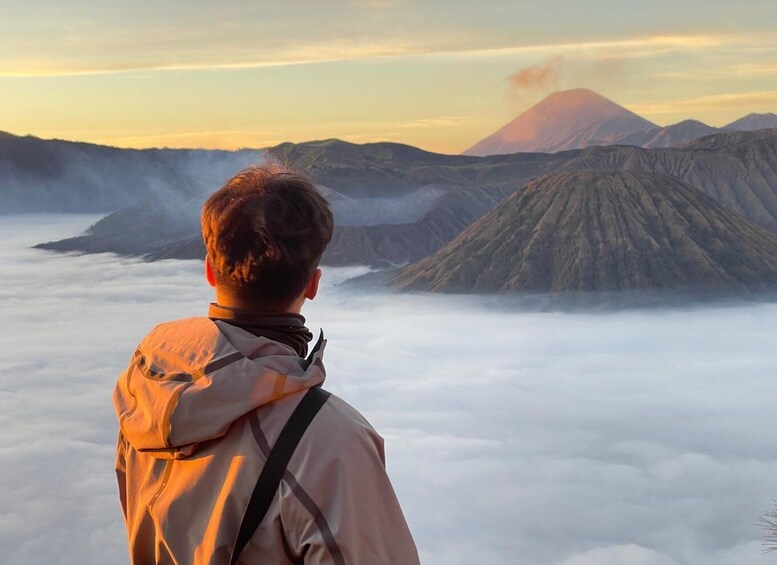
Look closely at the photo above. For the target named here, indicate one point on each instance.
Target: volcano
(569, 119)
(601, 231)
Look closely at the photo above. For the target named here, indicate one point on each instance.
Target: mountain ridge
(738, 169)
(668, 136)
(754, 121)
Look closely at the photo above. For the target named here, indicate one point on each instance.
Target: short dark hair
(265, 231)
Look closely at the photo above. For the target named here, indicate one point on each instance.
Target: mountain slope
(569, 119)
(737, 169)
(675, 134)
(753, 122)
(595, 231)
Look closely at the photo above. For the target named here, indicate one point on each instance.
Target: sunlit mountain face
(564, 120)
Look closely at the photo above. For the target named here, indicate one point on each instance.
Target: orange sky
(431, 74)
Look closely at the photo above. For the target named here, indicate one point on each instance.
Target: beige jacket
(199, 407)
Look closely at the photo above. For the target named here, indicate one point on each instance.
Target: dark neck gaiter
(287, 328)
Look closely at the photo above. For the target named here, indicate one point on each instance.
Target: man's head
(265, 231)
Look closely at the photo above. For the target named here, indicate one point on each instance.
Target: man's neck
(287, 327)
(235, 303)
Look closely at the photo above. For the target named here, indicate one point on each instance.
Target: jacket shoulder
(340, 499)
(340, 429)
(344, 416)
(177, 330)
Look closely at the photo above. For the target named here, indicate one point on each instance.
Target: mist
(637, 437)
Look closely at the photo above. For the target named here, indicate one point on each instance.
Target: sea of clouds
(625, 438)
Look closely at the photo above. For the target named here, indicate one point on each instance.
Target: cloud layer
(640, 437)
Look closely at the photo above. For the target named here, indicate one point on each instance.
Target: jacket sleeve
(345, 510)
(121, 474)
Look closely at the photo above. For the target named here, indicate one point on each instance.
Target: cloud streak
(306, 55)
(740, 70)
(342, 51)
(766, 99)
(624, 47)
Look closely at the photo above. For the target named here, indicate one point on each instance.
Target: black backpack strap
(273, 470)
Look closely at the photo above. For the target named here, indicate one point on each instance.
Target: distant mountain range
(579, 118)
(392, 203)
(460, 222)
(437, 197)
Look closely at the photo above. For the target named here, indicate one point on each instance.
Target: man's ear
(209, 276)
(312, 289)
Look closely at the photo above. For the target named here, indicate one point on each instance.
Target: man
(204, 401)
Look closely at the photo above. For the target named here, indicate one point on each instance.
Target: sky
(190, 73)
(639, 437)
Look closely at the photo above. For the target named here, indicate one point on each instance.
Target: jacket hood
(190, 379)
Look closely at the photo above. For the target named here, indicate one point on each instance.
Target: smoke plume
(541, 78)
